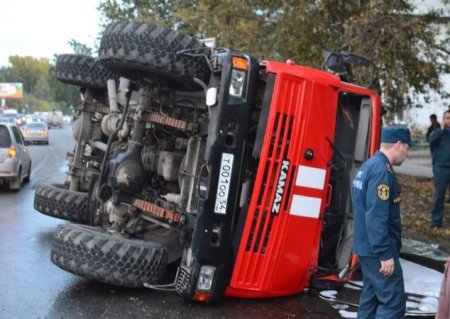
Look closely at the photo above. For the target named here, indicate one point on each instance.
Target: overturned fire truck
(205, 171)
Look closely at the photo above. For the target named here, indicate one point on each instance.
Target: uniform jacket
(431, 129)
(440, 145)
(376, 210)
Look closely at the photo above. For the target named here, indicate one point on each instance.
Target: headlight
(205, 278)
(237, 82)
(238, 74)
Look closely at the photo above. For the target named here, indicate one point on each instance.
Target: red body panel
(278, 252)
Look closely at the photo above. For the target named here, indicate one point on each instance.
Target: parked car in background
(35, 132)
(15, 160)
(14, 116)
(55, 119)
(67, 119)
(8, 120)
(21, 120)
(30, 118)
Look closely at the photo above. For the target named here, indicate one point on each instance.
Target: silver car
(35, 132)
(15, 161)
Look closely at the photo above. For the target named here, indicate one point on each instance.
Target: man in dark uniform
(377, 228)
(434, 124)
(440, 142)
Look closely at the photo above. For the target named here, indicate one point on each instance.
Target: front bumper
(36, 138)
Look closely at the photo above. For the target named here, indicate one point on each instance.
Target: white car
(15, 160)
(35, 133)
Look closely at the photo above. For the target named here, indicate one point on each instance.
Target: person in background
(377, 227)
(434, 124)
(440, 142)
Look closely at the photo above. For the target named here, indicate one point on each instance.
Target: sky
(42, 28)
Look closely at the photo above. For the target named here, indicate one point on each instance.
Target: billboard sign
(11, 90)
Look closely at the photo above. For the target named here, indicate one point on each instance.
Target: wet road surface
(418, 163)
(32, 287)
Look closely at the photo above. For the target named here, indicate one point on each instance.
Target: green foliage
(41, 91)
(80, 48)
(408, 51)
(31, 72)
(154, 11)
(63, 95)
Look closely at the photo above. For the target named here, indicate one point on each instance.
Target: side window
(21, 137)
(17, 135)
(5, 139)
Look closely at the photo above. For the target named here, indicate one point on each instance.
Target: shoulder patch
(383, 191)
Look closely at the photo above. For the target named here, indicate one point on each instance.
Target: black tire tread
(94, 254)
(61, 203)
(139, 50)
(82, 71)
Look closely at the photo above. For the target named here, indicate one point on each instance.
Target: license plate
(223, 187)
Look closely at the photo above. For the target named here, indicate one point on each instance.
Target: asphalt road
(418, 163)
(32, 287)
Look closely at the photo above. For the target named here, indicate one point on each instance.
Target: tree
(409, 52)
(405, 47)
(80, 48)
(41, 90)
(64, 95)
(32, 72)
(159, 12)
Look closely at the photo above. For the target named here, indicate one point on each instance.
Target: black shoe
(436, 225)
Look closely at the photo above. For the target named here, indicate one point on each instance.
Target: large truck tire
(56, 201)
(83, 71)
(90, 252)
(143, 51)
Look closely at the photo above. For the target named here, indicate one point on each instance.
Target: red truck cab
(286, 218)
(314, 122)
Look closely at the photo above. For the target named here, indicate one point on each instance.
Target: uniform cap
(394, 133)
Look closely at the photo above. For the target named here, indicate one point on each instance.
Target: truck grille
(262, 235)
(278, 150)
(182, 279)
